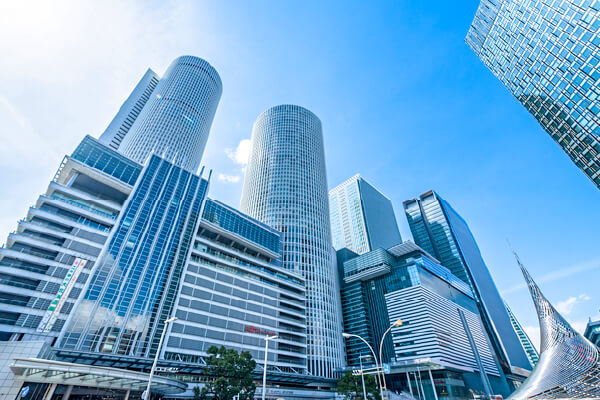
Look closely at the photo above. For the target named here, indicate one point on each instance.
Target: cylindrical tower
(176, 121)
(286, 187)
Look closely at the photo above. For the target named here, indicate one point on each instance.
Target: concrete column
(49, 392)
(68, 392)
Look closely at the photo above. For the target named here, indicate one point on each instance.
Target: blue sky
(403, 101)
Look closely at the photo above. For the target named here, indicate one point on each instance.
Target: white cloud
(565, 307)
(534, 334)
(229, 178)
(241, 154)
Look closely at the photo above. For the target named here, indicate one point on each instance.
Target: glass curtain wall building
(176, 120)
(441, 343)
(286, 188)
(592, 332)
(133, 288)
(547, 53)
(530, 349)
(441, 231)
(362, 218)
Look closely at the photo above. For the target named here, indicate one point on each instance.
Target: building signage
(56, 305)
(253, 329)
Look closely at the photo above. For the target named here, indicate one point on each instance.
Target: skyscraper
(129, 111)
(176, 120)
(441, 343)
(530, 349)
(362, 218)
(441, 231)
(286, 188)
(547, 54)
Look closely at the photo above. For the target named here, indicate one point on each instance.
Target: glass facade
(176, 120)
(234, 221)
(362, 218)
(547, 53)
(94, 154)
(428, 299)
(286, 188)
(592, 332)
(441, 231)
(530, 349)
(133, 287)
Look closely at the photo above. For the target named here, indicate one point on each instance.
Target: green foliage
(350, 387)
(230, 374)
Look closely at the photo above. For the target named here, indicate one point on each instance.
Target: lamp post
(267, 338)
(162, 337)
(349, 335)
(395, 324)
(362, 377)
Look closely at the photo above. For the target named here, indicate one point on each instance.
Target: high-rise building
(530, 349)
(441, 231)
(176, 120)
(592, 332)
(286, 188)
(48, 259)
(362, 218)
(441, 343)
(134, 285)
(115, 248)
(234, 291)
(547, 54)
(129, 111)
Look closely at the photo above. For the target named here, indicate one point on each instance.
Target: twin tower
(285, 185)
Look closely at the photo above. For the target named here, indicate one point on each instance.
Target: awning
(64, 373)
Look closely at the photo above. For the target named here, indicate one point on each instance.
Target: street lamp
(162, 337)
(349, 335)
(267, 338)
(395, 324)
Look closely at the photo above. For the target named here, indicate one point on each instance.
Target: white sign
(51, 315)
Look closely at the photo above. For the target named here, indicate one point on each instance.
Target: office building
(133, 287)
(569, 364)
(286, 188)
(440, 230)
(532, 353)
(113, 249)
(441, 339)
(175, 122)
(592, 332)
(129, 111)
(547, 54)
(48, 259)
(234, 291)
(362, 218)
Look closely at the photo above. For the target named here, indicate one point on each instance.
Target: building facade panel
(547, 54)
(286, 188)
(176, 120)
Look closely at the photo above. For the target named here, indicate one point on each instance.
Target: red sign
(253, 329)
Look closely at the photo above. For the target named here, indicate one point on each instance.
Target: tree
(350, 386)
(230, 374)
